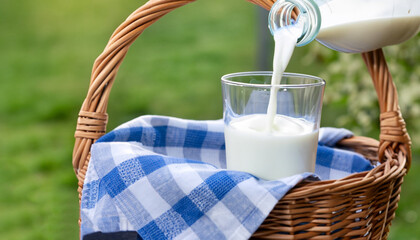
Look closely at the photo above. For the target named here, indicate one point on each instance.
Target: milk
(366, 25)
(350, 25)
(368, 35)
(285, 41)
(273, 146)
(290, 148)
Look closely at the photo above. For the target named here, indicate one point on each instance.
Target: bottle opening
(290, 12)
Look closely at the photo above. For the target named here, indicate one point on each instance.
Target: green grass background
(47, 49)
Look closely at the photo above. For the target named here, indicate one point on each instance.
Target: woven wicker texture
(360, 206)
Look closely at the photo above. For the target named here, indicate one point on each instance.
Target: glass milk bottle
(349, 25)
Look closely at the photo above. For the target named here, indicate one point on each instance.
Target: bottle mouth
(281, 15)
(307, 13)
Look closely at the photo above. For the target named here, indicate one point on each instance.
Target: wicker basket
(360, 206)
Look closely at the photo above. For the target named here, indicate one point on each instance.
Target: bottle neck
(290, 12)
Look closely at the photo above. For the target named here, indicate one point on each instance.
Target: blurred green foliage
(47, 51)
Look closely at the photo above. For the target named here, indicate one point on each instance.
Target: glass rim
(317, 83)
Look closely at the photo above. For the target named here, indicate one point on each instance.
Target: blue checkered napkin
(164, 178)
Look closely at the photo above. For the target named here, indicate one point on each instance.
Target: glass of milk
(277, 145)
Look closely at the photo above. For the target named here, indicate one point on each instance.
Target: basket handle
(393, 136)
(93, 118)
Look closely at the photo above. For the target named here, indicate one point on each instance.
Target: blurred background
(47, 49)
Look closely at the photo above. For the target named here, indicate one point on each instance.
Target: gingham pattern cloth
(165, 178)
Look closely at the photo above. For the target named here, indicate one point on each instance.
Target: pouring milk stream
(347, 26)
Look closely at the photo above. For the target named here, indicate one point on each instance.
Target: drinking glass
(286, 148)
